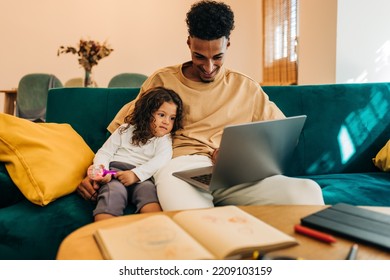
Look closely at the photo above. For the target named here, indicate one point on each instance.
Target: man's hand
(88, 188)
(214, 156)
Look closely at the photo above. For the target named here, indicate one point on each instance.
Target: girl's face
(164, 118)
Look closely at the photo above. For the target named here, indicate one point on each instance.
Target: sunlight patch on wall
(362, 78)
(383, 56)
(375, 69)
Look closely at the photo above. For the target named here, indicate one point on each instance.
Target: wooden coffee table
(80, 245)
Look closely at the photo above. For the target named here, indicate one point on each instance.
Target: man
(213, 97)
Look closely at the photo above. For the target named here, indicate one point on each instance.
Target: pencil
(315, 234)
(352, 252)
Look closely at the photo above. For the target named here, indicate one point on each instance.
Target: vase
(88, 79)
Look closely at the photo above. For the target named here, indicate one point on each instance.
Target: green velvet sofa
(347, 125)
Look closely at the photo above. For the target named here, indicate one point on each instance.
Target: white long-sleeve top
(147, 158)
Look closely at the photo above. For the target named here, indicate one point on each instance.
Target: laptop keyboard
(205, 179)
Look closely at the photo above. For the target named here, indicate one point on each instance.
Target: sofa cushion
(32, 232)
(365, 189)
(44, 160)
(382, 158)
(9, 193)
(39, 231)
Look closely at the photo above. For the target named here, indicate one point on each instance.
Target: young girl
(136, 150)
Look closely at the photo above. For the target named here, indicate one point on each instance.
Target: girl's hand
(127, 178)
(104, 180)
(95, 172)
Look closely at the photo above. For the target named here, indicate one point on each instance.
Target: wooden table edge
(80, 244)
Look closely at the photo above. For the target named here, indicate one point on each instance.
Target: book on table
(215, 233)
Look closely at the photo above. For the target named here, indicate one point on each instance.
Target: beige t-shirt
(232, 98)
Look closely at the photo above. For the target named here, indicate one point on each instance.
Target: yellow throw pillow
(382, 159)
(44, 160)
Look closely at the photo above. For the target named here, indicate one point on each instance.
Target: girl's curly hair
(210, 20)
(142, 115)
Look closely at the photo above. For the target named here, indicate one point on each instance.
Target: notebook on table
(353, 222)
(225, 232)
(249, 152)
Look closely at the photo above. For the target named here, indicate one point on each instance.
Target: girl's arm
(163, 154)
(105, 154)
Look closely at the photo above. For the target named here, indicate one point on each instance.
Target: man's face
(207, 57)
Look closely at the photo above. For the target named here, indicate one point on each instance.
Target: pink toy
(96, 172)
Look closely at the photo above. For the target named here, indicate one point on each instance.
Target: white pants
(175, 194)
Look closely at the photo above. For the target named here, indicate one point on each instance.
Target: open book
(214, 233)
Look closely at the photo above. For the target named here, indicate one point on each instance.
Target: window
(280, 42)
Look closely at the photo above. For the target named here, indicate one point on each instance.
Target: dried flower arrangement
(89, 53)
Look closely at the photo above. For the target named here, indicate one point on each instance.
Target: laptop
(249, 152)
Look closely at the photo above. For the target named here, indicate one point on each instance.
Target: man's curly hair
(210, 20)
(142, 115)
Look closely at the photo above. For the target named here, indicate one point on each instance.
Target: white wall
(145, 35)
(363, 41)
(344, 41)
(339, 40)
